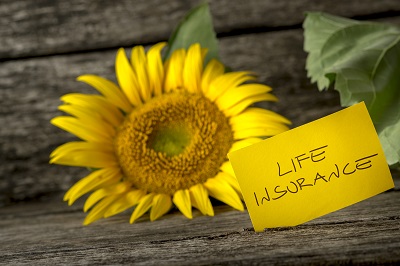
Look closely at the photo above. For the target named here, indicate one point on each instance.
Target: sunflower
(161, 137)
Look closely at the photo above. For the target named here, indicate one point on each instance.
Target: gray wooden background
(46, 44)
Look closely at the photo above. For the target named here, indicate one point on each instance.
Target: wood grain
(32, 88)
(35, 28)
(51, 233)
(46, 44)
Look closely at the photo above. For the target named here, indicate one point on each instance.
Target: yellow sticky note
(312, 170)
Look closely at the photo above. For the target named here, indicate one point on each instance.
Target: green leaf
(363, 59)
(196, 27)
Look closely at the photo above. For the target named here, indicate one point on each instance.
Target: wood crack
(212, 237)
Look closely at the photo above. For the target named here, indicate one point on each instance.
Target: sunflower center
(173, 142)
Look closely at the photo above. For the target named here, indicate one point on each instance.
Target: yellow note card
(312, 170)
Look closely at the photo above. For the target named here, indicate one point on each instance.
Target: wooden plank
(48, 233)
(31, 89)
(33, 28)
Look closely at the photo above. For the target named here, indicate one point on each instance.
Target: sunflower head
(160, 137)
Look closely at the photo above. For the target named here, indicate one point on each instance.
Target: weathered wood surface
(45, 45)
(30, 89)
(31, 28)
(51, 233)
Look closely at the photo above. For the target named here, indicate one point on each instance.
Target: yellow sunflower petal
(226, 167)
(257, 132)
(239, 107)
(222, 191)
(118, 206)
(260, 114)
(245, 125)
(182, 200)
(135, 196)
(94, 180)
(244, 143)
(161, 205)
(82, 131)
(237, 94)
(80, 112)
(230, 178)
(81, 146)
(213, 70)
(193, 69)
(139, 65)
(98, 211)
(104, 192)
(126, 78)
(155, 68)
(95, 104)
(109, 89)
(94, 120)
(93, 159)
(225, 82)
(194, 204)
(173, 78)
(232, 181)
(143, 206)
(129, 200)
(200, 200)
